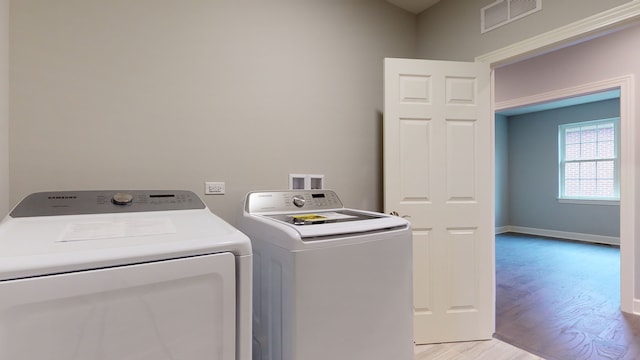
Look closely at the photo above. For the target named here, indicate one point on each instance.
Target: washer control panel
(105, 202)
(291, 200)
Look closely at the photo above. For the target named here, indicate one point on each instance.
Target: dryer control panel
(291, 200)
(105, 202)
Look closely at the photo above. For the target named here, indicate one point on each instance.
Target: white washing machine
(329, 282)
(113, 275)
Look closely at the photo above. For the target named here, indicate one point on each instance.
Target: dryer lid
(39, 245)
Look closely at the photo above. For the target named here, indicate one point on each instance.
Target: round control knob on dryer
(122, 199)
(298, 201)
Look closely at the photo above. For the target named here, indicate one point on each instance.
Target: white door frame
(571, 34)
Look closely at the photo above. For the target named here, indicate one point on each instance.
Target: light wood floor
(560, 299)
(475, 350)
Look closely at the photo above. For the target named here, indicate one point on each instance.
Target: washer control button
(298, 200)
(122, 199)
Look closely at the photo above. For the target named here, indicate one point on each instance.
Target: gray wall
(450, 30)
(167, 94)
(170, 94)
(502, 171)
(4, 107)
(533, 173)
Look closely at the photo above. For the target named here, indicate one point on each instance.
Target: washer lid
(324, 217)
(315, 214)
(336, 223)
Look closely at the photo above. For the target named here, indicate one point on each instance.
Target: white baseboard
(636, 306)
(610, 240)
(502, 229)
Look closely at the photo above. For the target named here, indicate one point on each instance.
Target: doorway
(548, 301)
(527, 172)
(625, 86)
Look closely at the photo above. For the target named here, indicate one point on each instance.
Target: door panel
(460, 168)
(414, 162)
(438, 173)
(422, 278)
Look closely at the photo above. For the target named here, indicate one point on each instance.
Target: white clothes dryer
(115, 275)
(329, 282)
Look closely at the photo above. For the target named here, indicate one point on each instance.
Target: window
(589, 164)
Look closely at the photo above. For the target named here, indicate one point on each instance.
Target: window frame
(595, 200)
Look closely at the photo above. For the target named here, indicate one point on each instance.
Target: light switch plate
(214, 188)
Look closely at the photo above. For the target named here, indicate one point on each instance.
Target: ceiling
(414, 6)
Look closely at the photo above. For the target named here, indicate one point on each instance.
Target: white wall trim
(578, 90)
(502, 229)
(569, 34)
(628, 163)
(610, 240)
(636, 306)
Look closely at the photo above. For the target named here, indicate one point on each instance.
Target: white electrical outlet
(214, 188)
(306, 181)
(316, 181)
(297, 181)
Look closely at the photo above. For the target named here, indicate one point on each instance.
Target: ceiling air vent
(505, 11)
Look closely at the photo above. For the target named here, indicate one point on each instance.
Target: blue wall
(502, 174)
(532, 172)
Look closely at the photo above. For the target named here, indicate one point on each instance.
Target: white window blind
(589, 164)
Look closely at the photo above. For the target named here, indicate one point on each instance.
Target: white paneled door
(438, 173)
